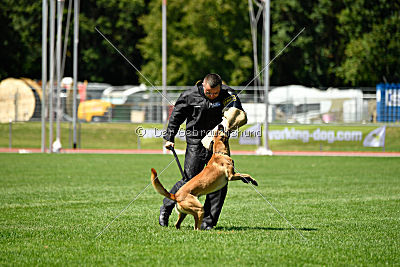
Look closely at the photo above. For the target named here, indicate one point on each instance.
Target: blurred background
(341, 71)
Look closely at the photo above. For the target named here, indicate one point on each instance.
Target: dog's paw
(245, 180)
(254, 182)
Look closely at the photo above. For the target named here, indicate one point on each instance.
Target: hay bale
(17, 101)
(34, 86)
(37, 92)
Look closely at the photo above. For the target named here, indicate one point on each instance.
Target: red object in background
(82, 91)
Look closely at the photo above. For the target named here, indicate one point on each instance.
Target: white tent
(298, 94)
(328, 105)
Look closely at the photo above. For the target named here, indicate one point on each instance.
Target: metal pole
(51, 70)
(60, 7)
(69, 135)
(79, 136)
(10, 134)
(266, 70)
(164, 62)
(305, 110)
(66, 38)
(16, 106)
(75, 65)
(253, 27)
(164, 57)
(44, 71)
(150, 105)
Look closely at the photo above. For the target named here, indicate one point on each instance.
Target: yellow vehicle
(94, 110)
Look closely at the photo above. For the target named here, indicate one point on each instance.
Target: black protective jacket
(201, 114)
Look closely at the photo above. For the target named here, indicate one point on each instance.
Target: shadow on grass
(246, 228)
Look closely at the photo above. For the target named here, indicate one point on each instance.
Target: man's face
(211, 93)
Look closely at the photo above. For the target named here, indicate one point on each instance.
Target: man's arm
(178, 116)
(232, 100)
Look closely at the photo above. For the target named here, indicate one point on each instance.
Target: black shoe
(164, 216)
(206, 227)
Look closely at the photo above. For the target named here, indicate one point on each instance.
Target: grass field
(53, 206)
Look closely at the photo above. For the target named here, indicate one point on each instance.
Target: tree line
(345, 43)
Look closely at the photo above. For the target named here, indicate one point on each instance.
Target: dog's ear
(221, 128)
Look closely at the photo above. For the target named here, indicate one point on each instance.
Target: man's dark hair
(213, 80)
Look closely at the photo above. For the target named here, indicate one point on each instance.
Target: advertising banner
(300, 135)
(376, 138)
(251, 136)
(307, 135)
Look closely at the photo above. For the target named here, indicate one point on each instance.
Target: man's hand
(169, 144)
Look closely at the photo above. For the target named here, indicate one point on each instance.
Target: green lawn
(53, 206)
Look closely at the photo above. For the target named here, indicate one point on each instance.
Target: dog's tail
(159, 187)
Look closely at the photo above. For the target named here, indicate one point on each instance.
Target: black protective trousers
(196, 157)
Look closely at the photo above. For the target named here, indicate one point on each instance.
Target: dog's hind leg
(200, 216)
(245, 178)
(192, 205)
(181, 217)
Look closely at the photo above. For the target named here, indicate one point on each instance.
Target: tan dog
(214, 176)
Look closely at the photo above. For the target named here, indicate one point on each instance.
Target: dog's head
(221, 140)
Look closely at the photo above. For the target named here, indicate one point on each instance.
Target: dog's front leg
(245, 178)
